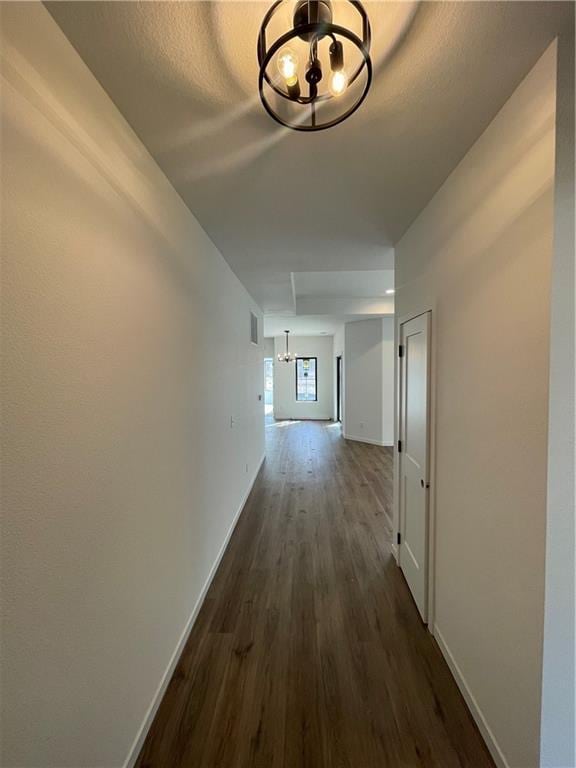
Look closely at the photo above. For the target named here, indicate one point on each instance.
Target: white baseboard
(167, 676)
(477, 714)
(384, 443)
(303, 418)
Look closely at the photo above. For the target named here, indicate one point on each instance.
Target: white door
(413, 456)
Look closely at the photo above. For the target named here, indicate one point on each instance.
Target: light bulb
(288, 65)
(338, 82)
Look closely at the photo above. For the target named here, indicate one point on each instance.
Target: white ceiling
(278, 202)
(309, 325)
(324, 301)
(364, 284)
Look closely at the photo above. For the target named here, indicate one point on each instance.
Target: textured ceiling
(275, 201)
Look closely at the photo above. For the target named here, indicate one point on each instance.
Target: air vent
(253, 328)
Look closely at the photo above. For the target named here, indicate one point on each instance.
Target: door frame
(339, 388)
(400, 321)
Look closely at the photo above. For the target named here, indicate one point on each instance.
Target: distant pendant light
(317, 73)
(286, 357)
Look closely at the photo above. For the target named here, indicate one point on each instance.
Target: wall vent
(253, 328)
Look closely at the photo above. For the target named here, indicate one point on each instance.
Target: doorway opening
(339, 388)
(268, 386)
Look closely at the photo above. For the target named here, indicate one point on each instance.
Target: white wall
(559, 674)
(479, 256)
(369, 377)
(122, 368)
(285, 405)
(338, 351)
(339, 341)
(268, 347)
(388, 365)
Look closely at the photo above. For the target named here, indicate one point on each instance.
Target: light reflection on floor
(271, 422)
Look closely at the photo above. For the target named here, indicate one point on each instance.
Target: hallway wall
(558, 732)
(285, 404)
(369, 377)
(338, 351)
(268, 347)
(122, 369)
(479, 256)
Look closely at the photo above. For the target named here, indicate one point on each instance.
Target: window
(306, 378)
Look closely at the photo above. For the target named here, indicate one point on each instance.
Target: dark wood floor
(308, 651)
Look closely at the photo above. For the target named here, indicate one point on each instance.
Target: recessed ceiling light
(390, 292)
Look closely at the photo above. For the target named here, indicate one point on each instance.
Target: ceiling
(278, 202)
(309, 325)
(324, 301)
(358, 284)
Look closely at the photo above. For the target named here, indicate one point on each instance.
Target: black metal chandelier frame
(313, 31)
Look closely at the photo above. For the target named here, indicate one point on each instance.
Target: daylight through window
(306, 378)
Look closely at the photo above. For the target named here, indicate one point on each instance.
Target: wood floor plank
(309, 651)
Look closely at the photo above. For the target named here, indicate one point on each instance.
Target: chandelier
(286, 357)
(317, 71)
